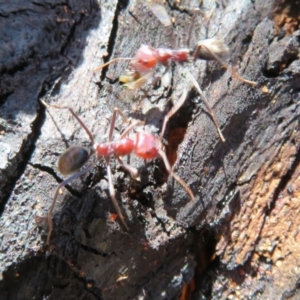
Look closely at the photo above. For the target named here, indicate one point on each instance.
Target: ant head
(72, 160)
(144, 59)
(105, 149)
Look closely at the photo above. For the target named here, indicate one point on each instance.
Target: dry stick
(203, 98)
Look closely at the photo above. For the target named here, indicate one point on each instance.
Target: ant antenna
(196, 12)
(111, 61)
(74, 115)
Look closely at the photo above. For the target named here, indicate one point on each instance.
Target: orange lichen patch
(280, 236)
(276, 256)
(286, 16)
(239, 241)
(175, 137)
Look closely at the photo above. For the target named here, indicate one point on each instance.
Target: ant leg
(172, 111)
(210, 112)
(130, 127)
(113, 194)
(62, 184)
(113, 121)
(137, 106)
(196, 12)
(175, 176)
(132, 170)
(75, 116)
(224, 65)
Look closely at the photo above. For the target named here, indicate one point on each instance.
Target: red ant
(147, 57)
(144, 145)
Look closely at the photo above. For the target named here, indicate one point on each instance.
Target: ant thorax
(144, 145)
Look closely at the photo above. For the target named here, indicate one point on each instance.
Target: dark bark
(238, 239)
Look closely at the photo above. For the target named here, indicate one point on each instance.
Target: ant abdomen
(72, 160)
(210, 48)
(146, 145)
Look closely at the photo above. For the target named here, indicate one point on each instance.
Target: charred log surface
(238, 239)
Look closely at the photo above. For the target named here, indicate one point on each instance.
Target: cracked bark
(239, 239)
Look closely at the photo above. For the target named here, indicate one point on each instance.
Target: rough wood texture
(239, 239)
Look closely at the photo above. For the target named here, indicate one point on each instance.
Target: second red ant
(147, 58)
(143, 144)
